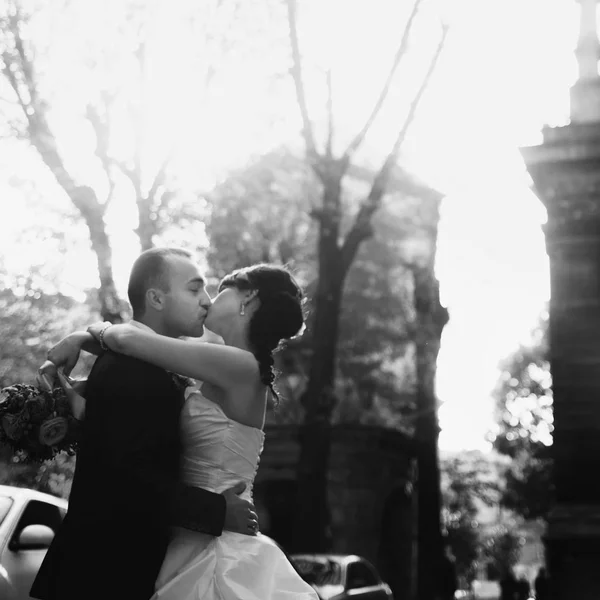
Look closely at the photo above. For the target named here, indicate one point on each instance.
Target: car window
(5, 504)
(319, 572)
(361, 575)
(38, 512)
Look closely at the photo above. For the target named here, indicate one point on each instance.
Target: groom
(126, 492)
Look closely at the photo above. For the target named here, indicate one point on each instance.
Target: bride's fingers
(43, 381)
(76, 401)
(66, 385)
(78, 385)
(45, 376)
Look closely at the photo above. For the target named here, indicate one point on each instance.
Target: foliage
(524, 426)
(468, 480)
(501, 549)
(260, 213)
(529, 489)
(31, 321)
(524, 397)
(52, 477)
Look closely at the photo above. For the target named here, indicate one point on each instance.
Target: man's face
(187, 300)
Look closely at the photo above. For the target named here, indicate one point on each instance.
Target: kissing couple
(161, 500)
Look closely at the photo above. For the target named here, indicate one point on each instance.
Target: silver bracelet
(101, 338)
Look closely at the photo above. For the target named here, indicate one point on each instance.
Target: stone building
(371, 481)
(566, 172)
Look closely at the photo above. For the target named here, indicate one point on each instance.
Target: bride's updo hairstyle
(278, 318)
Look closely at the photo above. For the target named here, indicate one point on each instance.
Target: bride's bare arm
(221, 365)
(75, 342)
(66, 353)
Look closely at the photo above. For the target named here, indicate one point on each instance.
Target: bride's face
(224, 311)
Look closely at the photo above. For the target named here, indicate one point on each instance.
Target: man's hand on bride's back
(240, 515)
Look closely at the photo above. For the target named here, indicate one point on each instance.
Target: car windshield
(319, 571)
(5, 504)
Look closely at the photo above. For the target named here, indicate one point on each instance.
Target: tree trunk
(431, 319)
(91, 210)
(146, 228)
(312, 517)
(335, 258)
(111, 306)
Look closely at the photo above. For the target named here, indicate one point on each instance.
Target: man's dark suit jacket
(126, 491)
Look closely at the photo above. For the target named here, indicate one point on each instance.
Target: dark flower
(6, 394)
(53, 431)
(13, 426)
(36, 408)
(37, 424)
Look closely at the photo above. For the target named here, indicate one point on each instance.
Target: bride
(222, 422)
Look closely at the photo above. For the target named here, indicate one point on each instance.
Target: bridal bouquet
(37, 424)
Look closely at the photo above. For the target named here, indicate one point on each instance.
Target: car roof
(339, 558)
(29, 494)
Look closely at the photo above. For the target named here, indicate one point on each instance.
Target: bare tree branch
(160, 179)
(26, 63)
(362, 227)
(138, 121)
(19, 71)
(7, 61)
(101, 129)
(296, 71)
(402, 48)
(329, 145)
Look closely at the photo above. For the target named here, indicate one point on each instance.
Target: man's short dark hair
(150, 270)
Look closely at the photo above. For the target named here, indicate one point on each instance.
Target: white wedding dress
(217, 454)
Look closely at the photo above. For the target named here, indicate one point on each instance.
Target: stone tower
(565, 169)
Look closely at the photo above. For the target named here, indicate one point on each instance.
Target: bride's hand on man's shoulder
(73, 390)
(65, 354)
(97, 328)
(47, 377)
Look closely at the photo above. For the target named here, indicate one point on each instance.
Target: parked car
(28, 522)
(342, 576)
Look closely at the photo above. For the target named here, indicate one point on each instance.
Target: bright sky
(517, 67)
(506, 72)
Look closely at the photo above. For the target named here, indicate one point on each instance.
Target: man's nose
(206, 302)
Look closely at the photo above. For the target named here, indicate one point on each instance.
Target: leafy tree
(259, 213)
(524, 426)
(468, 480)
(501, 549)
(529, 487)
(31, 321)
(524, 397)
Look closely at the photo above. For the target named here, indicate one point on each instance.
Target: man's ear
(155, 299)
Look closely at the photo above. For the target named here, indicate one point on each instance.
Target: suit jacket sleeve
(141, 400)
